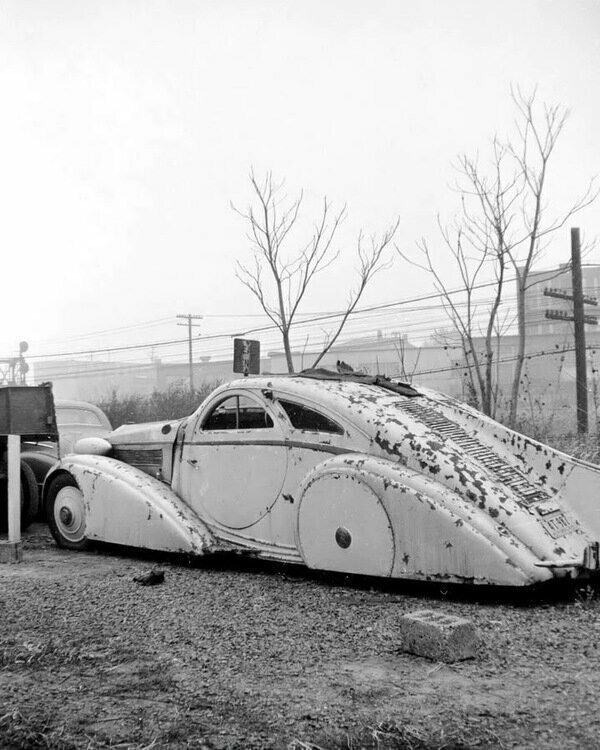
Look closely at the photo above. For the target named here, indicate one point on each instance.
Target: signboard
(28, 411)
(246, 356)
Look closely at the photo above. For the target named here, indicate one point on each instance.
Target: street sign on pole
(246, 356)
(26, 412)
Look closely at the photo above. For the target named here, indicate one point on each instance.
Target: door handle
(192, 461)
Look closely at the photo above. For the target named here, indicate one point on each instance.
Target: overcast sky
(128, 127)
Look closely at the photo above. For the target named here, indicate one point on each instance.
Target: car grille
(145, 459)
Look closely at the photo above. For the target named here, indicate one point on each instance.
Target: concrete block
(439, 636)
(11, 552)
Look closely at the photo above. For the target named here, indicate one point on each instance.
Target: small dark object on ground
(152, 578)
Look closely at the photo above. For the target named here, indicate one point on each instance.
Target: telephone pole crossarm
(562, 294)
(565, 315)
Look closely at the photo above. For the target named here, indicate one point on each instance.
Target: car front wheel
(65, 513)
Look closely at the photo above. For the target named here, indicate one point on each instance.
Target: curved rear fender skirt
(126, 506)
(437, 534)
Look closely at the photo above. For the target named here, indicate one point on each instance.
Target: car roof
(321, 380)
(339, 392)
(84, 405)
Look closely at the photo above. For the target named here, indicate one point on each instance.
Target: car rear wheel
(65, 513)
(30, 496)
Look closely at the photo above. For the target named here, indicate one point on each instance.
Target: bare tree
(280, 278)
(406, 373)
(503, 228)
(537, 138)
(477, 243)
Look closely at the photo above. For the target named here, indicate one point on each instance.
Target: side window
(252, 416)
(238, 413)
(224, 416)
(303, 418)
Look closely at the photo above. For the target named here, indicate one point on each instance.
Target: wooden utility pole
(579, 319)
(11, 550)
(190, 325)
(13, 455)
(578, 315)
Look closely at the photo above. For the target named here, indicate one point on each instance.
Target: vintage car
(29, 413)
(75, 420)
(348, 473)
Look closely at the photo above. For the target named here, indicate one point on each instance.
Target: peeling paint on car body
(127, 506)
(404, 483)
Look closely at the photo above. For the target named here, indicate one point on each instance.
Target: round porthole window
(343, 537)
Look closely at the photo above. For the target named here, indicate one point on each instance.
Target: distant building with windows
(547, 381)
(95, 380)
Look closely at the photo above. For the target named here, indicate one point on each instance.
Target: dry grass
(391, 736)
(586, 448)
(174, 403)
(240, 657)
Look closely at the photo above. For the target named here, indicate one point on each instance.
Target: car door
(314, 436)
(233, 461)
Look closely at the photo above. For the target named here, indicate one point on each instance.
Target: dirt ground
(237, 655)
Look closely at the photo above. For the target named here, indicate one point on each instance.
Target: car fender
(40, 463)
(436, 534)
(124, 505)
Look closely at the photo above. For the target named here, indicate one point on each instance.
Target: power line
(397, 303)
(500, 361)
(133, 347)
(363, 314)
(106, 331)
(123, 368)
(320, 318)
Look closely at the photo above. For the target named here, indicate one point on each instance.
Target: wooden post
(11, 550)
(190, 356)
(189, 317)
(578, 315)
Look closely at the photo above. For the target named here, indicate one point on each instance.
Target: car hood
(69, 434)
(148, 433)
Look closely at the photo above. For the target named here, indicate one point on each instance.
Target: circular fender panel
(343, 526)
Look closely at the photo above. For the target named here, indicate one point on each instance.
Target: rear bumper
(591, 557)
(590, 563)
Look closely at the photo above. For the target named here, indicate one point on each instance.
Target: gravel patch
(233, 654)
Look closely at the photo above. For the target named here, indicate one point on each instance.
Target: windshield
(72, 415)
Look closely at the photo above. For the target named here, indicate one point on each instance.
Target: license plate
(558, 525)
